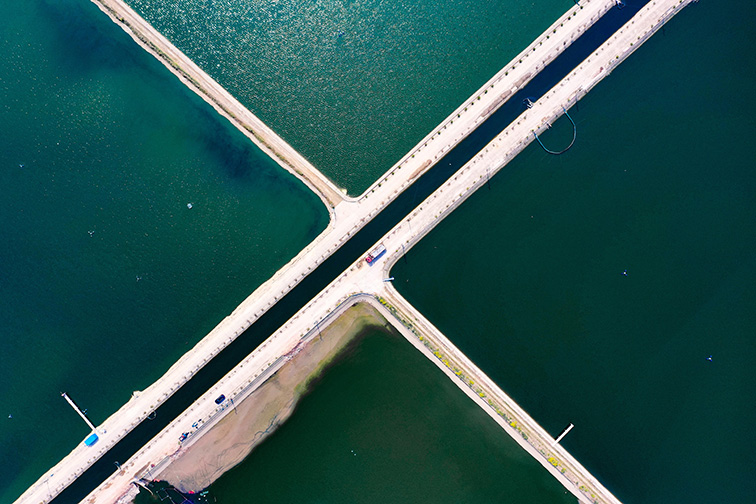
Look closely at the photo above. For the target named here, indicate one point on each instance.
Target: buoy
(189, 206)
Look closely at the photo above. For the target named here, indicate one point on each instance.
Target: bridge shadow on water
(357, 246)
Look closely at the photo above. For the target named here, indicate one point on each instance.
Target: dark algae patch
(107, 276)
(355, 86)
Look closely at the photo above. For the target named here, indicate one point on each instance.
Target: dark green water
(351, 85)
(527, 277)
(99, 138)
(385, 425)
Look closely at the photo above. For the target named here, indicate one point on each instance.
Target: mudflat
(234, 437)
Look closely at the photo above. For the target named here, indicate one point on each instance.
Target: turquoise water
(106, 276)
(660, 185)
(351, 85)
(385, 425)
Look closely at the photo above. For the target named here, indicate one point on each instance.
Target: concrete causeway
(348, 215)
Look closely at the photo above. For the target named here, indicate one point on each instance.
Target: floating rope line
(574, 136)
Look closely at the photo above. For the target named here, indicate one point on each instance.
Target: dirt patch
(234, 437)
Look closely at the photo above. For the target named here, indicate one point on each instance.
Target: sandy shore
(229, 441)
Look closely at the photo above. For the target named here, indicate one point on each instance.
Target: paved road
(359, 277)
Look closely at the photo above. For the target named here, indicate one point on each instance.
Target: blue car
(220, 399)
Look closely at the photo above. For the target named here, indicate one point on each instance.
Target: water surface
(351, 85)
(594, 286)
(106, 275)
(384, 424)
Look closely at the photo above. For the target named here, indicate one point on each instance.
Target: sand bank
(233, 438)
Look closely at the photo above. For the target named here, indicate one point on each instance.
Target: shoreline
(234, 437)
(394, 312)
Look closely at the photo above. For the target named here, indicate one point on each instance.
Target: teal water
(102, 150)
(527, 278)
(351, 85)
(385, 425)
